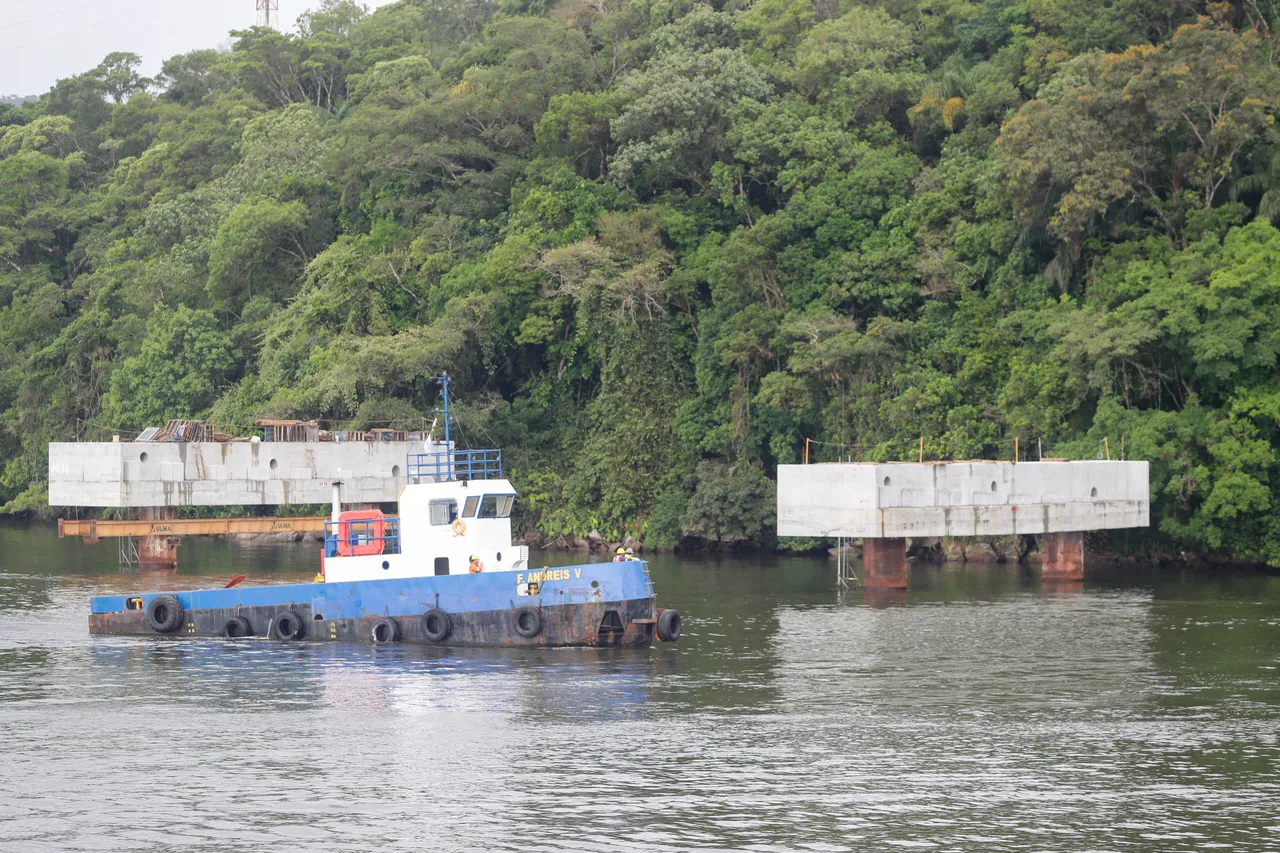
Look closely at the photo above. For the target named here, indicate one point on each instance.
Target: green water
(977, 712)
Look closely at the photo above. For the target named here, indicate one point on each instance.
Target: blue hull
(592, 604)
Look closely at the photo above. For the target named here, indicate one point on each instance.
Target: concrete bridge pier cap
(156, 477)
(884, 503)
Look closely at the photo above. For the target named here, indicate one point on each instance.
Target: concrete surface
(888, 500)
(142, 474)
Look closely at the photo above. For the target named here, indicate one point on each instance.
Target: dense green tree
(1163, 126)
(178, 372)
(660, 246)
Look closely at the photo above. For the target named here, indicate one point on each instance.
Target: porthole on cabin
(993, 485)
(142, 457)
(1093, 493)
(498, 556)
(395, 470)
(886, 481)
(274, 464)
(386, 564)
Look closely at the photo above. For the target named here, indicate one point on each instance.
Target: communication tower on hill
(268, 13)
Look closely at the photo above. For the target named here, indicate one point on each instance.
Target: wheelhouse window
(442, 512)
(469, 508)
(496, 506)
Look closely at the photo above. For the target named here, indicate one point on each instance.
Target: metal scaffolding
(845, 575)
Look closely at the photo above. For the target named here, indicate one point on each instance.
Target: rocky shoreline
(1025, 550)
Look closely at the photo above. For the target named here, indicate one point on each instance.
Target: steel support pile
(1062, 556)
(157, 551)
(884, 563)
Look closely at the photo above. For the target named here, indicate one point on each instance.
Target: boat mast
(443, 379)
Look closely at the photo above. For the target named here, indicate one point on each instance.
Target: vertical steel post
(444, 385)
(448, 442)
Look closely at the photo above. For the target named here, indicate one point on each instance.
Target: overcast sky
(42, 41)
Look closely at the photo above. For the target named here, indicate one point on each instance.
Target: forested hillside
(659, 244)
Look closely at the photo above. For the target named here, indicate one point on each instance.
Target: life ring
(385, 630)
(164, 614)
(669, 622)
(436, 624)
(287, 626)
(237, 626)
(459, 527)
(527, 622)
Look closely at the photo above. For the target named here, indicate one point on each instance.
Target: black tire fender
(287, 625)
(236, 627)
(669, 624)
(527, 621)
(436, 625)
(385, 630)
(164, 614)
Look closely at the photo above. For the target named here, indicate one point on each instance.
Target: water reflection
(979, 709)
(879, 599)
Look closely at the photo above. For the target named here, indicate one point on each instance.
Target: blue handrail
(445, 465)
(360, 532)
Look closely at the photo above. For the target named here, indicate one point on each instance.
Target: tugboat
(444, 571)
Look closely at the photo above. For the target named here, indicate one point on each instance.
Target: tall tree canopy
(660, 245)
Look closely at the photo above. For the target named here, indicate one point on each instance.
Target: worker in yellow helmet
(476, 566)
(622, 556)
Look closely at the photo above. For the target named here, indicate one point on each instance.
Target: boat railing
(362, 537)
(445, 465)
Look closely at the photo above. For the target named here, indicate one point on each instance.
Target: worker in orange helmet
(476, 566)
